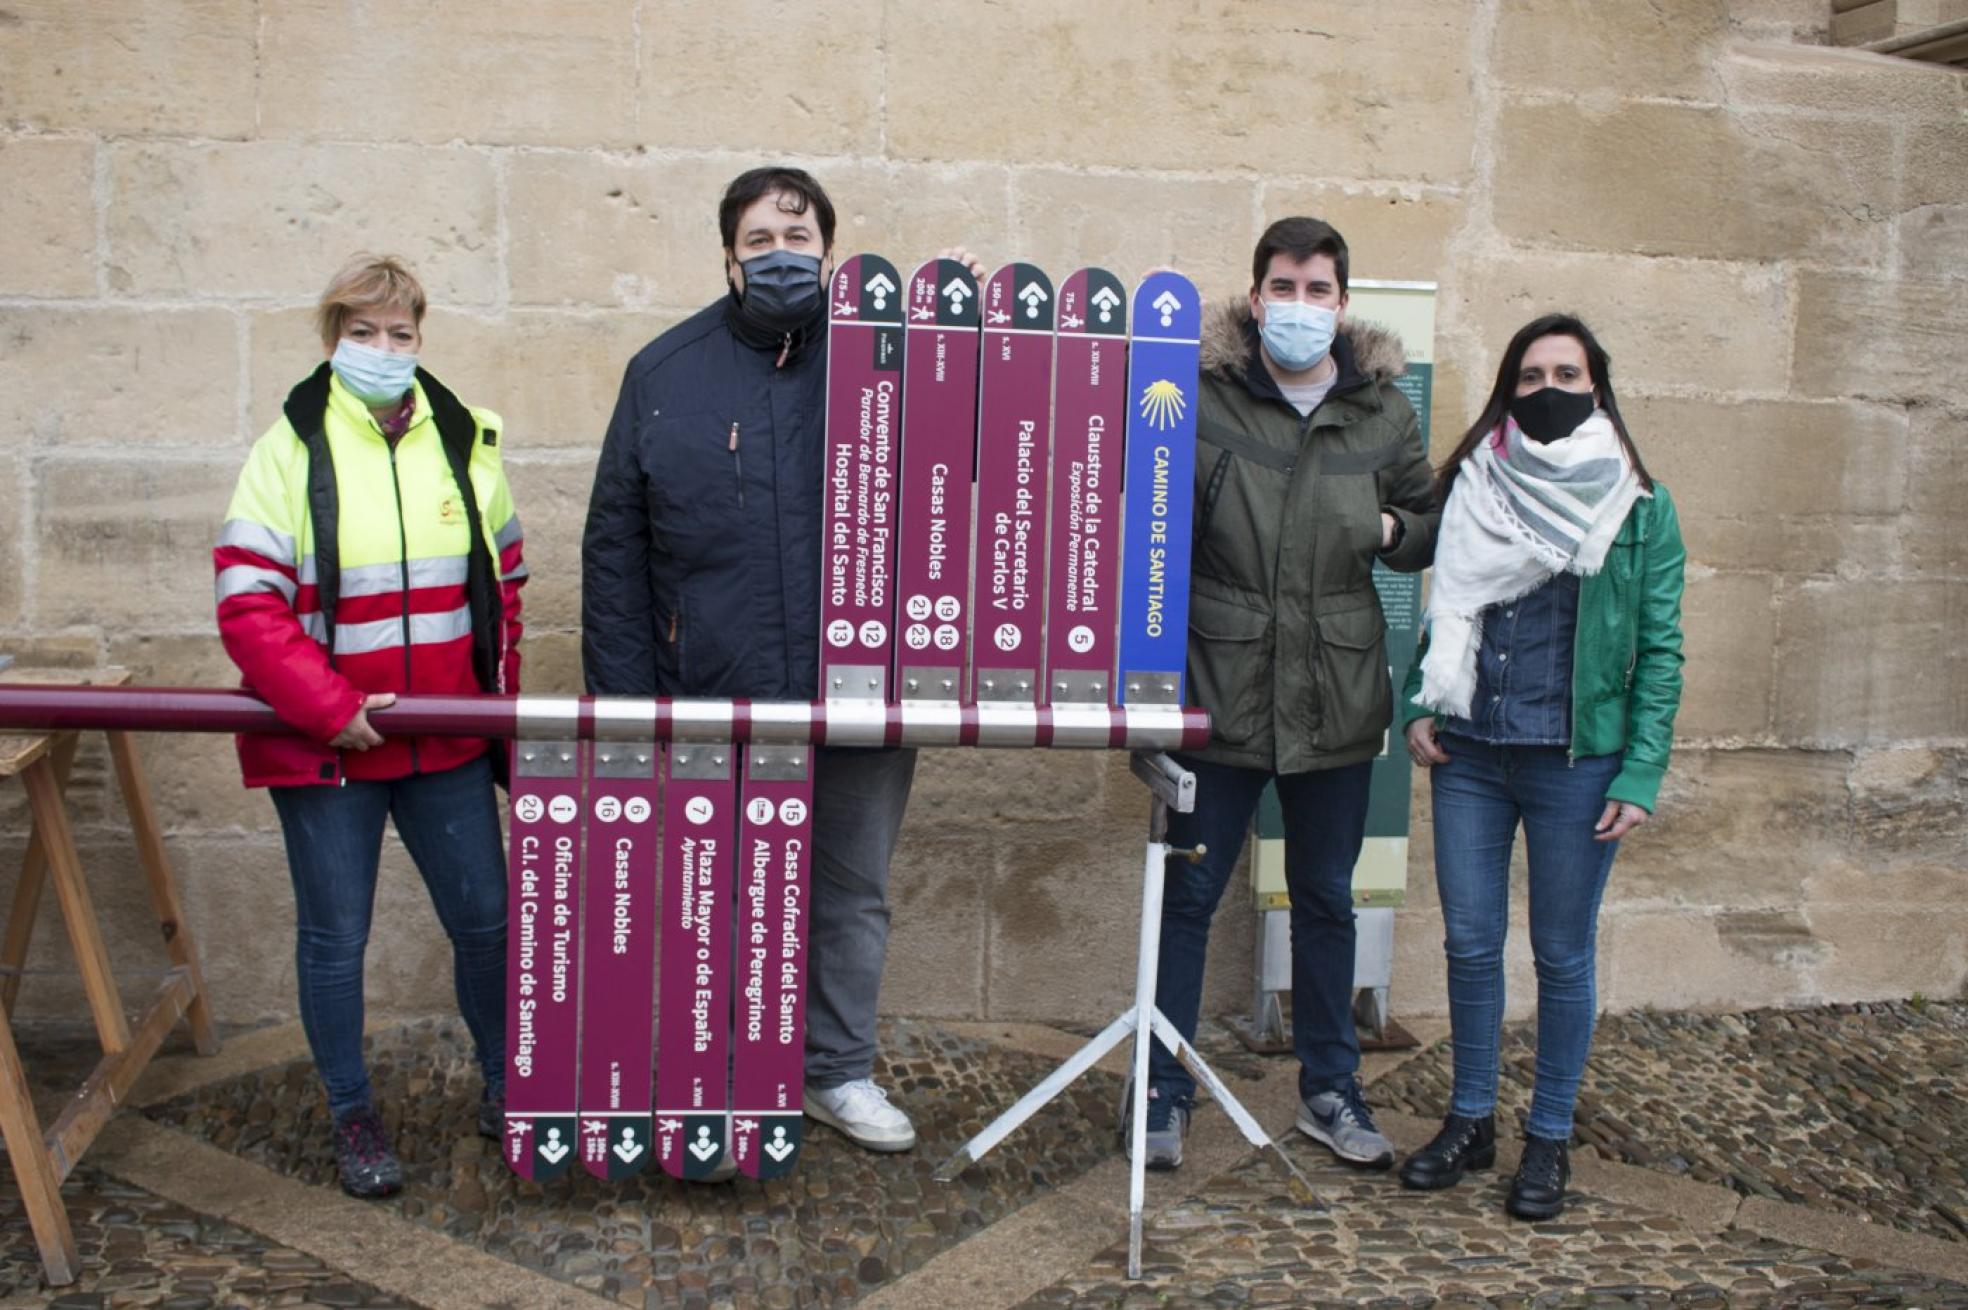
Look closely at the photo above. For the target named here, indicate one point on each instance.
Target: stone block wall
(1770, 234)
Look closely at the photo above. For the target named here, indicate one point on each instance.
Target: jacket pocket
(1356, 691)
(694, 483)
(1346, 519)
(1229, 666)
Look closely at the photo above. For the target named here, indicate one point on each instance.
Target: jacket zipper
(403, 574)
(1571, 744)
(676, 639)
(737, 464)
(1632, 660)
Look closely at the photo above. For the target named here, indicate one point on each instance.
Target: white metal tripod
(1172, 787)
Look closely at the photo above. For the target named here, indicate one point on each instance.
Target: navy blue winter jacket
(700, 565)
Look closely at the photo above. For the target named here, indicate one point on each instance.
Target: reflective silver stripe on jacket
(509, 533)
(387, 634)
(381, 579)
(243, 579)
(244, 534)
(521, 572)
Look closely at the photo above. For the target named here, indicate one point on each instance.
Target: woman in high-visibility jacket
(371, 547)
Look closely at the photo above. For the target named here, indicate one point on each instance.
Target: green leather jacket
(1626, 658)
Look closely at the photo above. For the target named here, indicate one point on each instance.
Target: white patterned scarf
(1519, 513)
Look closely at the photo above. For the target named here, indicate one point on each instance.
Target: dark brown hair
(796, 184)
(1298, 239)
(1598, 364)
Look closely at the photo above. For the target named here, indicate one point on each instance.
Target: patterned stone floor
(139, 1250)
(1241, 1242)
(844, 1222)
(1850, 1109)
(1858, 1109)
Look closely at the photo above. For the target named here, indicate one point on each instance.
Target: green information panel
(1381, 877)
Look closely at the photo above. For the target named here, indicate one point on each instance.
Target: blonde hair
(367, 282)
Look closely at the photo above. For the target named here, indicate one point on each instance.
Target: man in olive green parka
(1309, 467)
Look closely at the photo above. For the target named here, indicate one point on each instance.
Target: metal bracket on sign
(1147, 687)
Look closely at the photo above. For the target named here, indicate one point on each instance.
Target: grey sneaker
(1341, 1120)
(1168, 1125)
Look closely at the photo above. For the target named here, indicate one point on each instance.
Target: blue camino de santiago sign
(1163, 365)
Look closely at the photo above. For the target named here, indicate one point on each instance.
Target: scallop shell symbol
(1163, 404)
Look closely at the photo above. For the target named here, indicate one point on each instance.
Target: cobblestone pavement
(137, 1249)
(1857, 1109)
(845, 1221)
(1850, 1109)
(1241, 1242)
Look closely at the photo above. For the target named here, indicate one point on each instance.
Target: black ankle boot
(1539, 1189)
(1461, 1146)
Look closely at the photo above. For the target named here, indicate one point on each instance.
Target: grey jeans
(858, 800)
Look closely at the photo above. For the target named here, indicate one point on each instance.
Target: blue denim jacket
(1524, 670)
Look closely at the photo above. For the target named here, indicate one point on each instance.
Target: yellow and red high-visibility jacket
(345, 566)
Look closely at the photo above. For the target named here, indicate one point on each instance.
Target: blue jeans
(1480, 796)
(1325, 823)
(449, 821)
(858, 800)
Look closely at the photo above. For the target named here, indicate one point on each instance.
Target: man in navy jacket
(700, 576)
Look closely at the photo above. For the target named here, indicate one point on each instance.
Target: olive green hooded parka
(1287, 643)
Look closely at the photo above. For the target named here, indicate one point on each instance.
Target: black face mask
(1552, 414)
(782, 291)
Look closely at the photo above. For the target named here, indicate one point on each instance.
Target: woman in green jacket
(1544, 694)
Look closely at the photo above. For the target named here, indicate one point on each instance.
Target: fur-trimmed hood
(1227, 338)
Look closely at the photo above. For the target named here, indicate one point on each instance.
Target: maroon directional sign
(1014, 429)
(768, 1039)
(864, 411)
(939, 447)
(1090, 420)
(543, 956)
(692, 1088)
(618, 968)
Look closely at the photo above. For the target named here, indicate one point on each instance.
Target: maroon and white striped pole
(25, 707)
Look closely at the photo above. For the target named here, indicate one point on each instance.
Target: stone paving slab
(137, 1249)
(1240, 1241)
(844, 1222)
(1856, 1109)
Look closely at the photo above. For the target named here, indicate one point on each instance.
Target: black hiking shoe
(1463, 1145)
(492, 1116)
(1539, 1191)
(363, 1159)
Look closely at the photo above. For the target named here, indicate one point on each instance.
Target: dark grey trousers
(858, 800)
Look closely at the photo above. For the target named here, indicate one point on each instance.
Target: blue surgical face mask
(1297, 335)
(374, 377)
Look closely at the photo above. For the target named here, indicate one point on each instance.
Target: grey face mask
(782, 290)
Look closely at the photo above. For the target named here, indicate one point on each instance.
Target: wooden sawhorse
(41, 1160)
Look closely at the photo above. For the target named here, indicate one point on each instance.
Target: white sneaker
(860, 1112)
